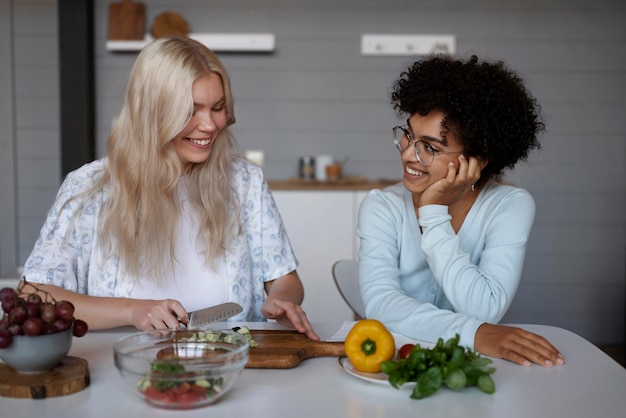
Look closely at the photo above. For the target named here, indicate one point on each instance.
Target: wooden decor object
(70, 376)
(127, 20)
(169, 24)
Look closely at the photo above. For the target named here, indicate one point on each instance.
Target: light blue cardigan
(438, 283)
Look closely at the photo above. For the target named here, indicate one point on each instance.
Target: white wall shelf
(226, 42)
(398, 45)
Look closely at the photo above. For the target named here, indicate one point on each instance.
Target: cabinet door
(320, 228)
(357, 198)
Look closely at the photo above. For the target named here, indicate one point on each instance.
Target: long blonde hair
(140, 217)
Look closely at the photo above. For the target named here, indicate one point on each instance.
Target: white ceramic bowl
(170, 370)
(37, 354)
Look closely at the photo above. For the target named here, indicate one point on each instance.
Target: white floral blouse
(75, 261)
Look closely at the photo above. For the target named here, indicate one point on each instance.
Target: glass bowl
(38, 353)
(181, 369)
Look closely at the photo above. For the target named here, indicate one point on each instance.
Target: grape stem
(24, 283)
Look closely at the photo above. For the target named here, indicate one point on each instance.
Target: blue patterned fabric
(67, 252)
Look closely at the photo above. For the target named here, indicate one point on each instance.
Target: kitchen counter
(590, 384)
(345, 183)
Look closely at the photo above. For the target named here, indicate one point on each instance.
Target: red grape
(8, 298)
(80, 328)
(48, 329)
(48, 312)
(17, 315)
(65, 310)
(16, 329)
(32, 326)
(5, 338)
(28, 314)
(7, 293)
(61, 324)
(34, 298)
(32, 309)
(69, 303)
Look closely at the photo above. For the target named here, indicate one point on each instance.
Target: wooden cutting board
(127, 20)
(70, 376)
(286, 349)
(169, 24)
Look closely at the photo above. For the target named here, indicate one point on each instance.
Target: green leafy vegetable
(486, 384)
(446, 363)
(169, 367)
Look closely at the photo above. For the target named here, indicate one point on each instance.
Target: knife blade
(213, 314)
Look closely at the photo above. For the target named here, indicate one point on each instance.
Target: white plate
(381, 378)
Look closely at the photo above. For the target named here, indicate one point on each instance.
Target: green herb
(165, 369)
(168, 367)
(446, 363)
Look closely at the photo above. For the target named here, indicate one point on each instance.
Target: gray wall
(317, 95)
(29, 134)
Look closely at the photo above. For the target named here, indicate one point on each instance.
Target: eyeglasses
(424, 152)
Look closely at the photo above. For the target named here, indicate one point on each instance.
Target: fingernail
(560, 361)
(548, 363)
(526, 363)
(462, 156)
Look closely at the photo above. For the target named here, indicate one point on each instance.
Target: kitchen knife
(213, 314)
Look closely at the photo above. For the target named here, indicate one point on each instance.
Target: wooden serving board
(169, 24)
(70, 376)
(127, 20)
(286, 349)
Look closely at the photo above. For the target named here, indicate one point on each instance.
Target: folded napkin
(340, 335)
(399, 339)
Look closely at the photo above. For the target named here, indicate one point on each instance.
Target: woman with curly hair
(441, 253)
(173, 219)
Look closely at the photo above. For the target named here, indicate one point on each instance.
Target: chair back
(345, 274)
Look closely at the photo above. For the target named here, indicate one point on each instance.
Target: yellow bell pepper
(368, 344)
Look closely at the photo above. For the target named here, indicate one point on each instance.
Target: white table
(590, 384)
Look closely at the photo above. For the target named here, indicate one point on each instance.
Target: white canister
(321, 161)
(256, 156)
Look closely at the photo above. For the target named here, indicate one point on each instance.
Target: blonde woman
(173, 219)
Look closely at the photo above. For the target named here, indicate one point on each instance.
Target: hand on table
(516, 345)
(289, 314)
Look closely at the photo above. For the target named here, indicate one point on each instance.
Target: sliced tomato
(186, 394)
(154, 394)
(189, 398)
(199, 389)
(182, 388)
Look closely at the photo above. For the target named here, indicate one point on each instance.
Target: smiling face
(193, 144)
(428, 128)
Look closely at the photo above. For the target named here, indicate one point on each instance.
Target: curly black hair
(487, 106)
